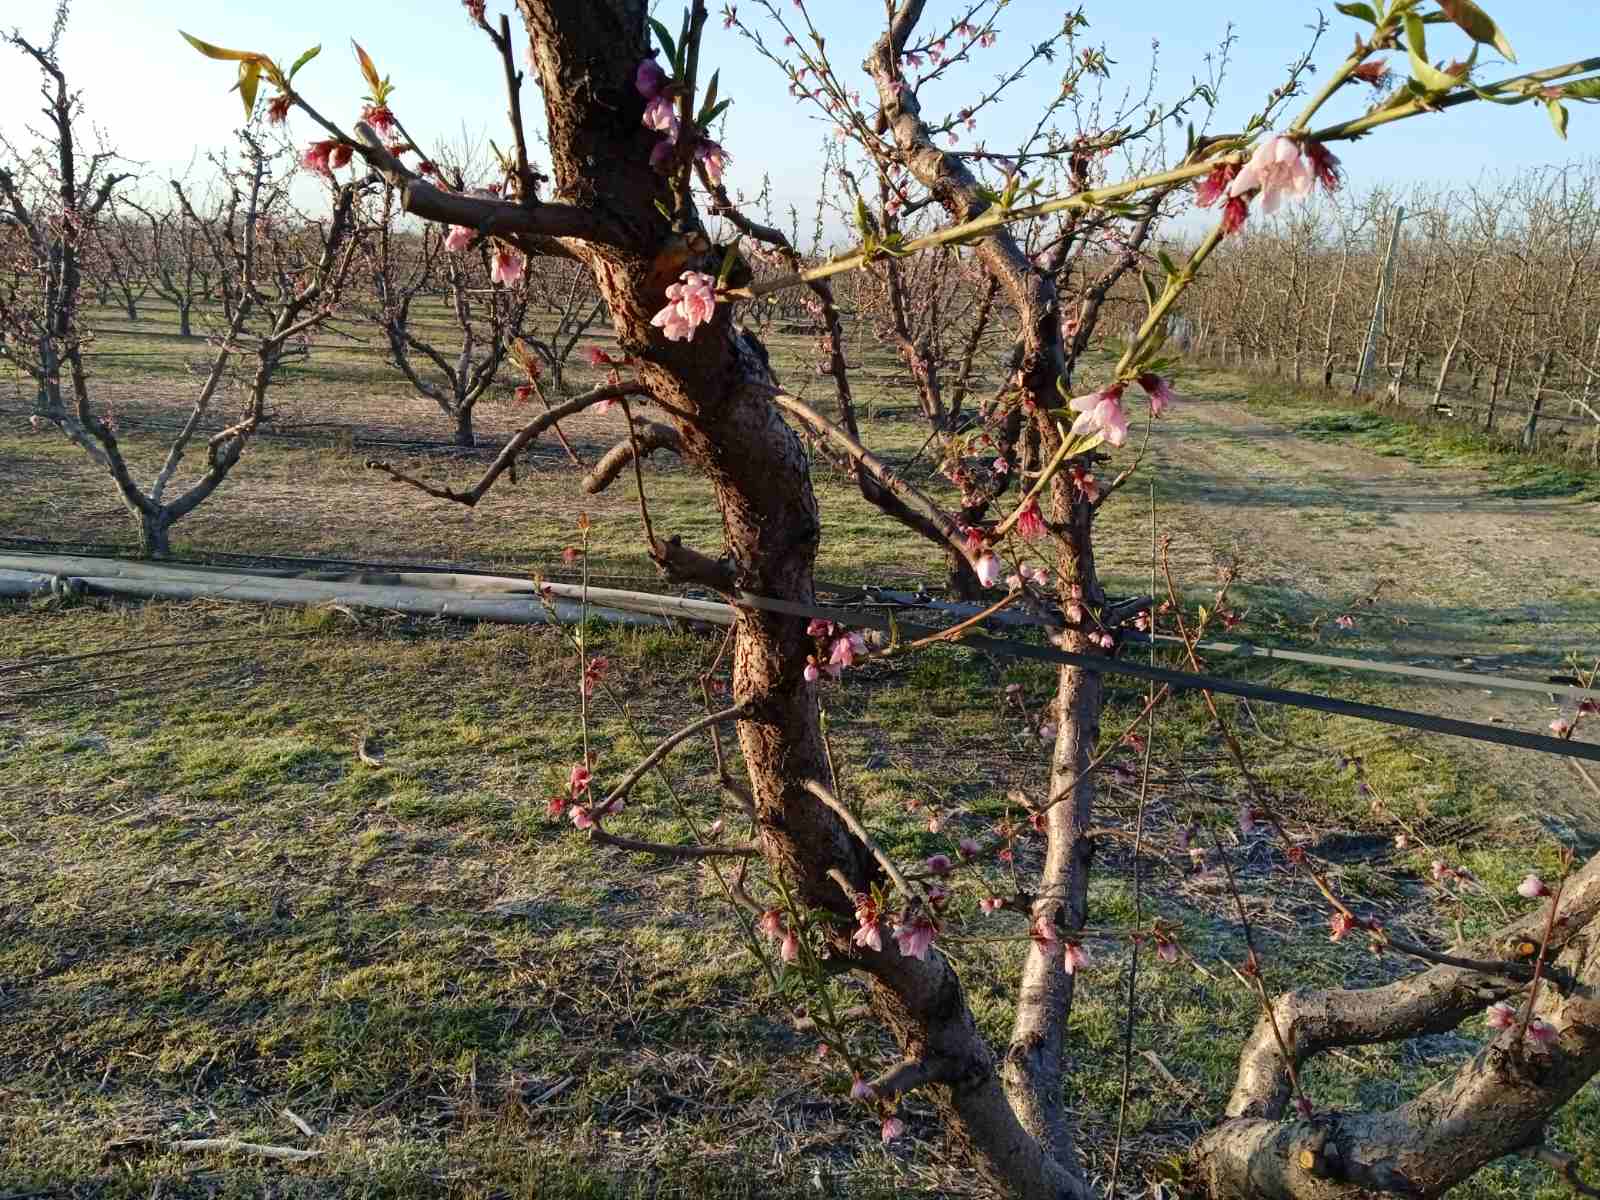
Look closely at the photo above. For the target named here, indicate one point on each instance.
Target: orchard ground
(213, 915)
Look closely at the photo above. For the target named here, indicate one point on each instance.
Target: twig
(856, 827)
(1563, 1164)
(601, 837)
(508, 453)
(234, 1145)
(665, 748)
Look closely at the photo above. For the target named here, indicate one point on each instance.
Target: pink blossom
(581, 817)
(1043, 931)
(507, 267)
(474, 8)
(663, 153)
(715, 827)
(1215, 185)
(1324, 166)
(690, 304)
(939, 864)
(1166, 949)
(1160, 392)
(964, 30)
(1402, 842)
(1561, 727)
(846, 649)
(789, 949)
(986, 39)
(1500, 1016)
(936, 51)
(578, 780)
(661, 115)
(379, 117)
(988, 570)
(339, 155)
(869, 935)
(649, 79)
(893, 1127)
(861, 1091)
(991, 904)
(458, 239)
(1075, 958)
(811, 673)
(1532, 888)
(1277, 169)
(1343, 923)
(1047, 731)
(1345, 621)
(713, 157)
(316, 157)
(1030, 522)
(1001, 466)
(819, 628)
(770, 923)
(1303, 1106)
(1014, 582)
(1542, 1032)
(915, 938)
(1247, 819)
(1234, 213)
(1101, 412)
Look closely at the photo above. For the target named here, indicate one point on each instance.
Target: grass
(1424, 442)
(211, 912)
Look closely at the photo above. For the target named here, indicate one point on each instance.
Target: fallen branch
(235, 1146)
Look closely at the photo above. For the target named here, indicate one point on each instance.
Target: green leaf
(1362, 12)
(1424, 72)
(1479, 25)
(249, 80)
(1558, 117)
(1166, 262)
(218, 52)
(708, 117)
(1583, 89)
(304, 59)
(665, 39)
(1150, 297)
(863, 223)
(710, 102)
(374, 80)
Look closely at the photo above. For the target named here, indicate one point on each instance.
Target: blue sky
(159, 102)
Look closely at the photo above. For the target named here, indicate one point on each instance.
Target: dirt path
(1463, 578)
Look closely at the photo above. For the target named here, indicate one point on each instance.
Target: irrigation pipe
(498, 598)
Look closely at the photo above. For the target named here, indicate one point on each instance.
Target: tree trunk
(183, 319)
(465, 438)
(1530, 431)
(155, 534)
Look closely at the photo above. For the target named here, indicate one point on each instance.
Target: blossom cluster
(691, 302)
(1280, 167)
(837, 648)
(1101, 412)
(661, 114)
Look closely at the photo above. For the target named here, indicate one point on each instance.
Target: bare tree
(408, 272)
(285, 283)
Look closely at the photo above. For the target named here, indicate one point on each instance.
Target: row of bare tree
(1491, 300)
